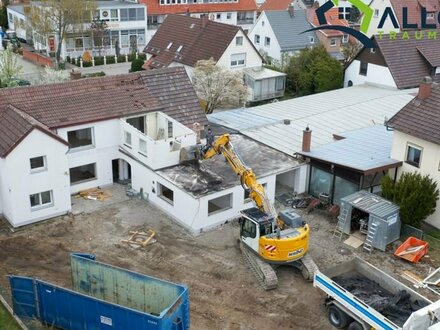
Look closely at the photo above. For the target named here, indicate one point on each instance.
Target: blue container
(103, 297)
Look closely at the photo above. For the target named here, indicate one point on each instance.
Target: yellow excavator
(267, 239)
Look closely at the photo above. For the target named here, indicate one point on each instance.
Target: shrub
(110, 59)
(86, 64)
(143, 56)
(121, 58)
(131, 57)
(136, 65)
(68, 59)
(87, 58)
(99, 60)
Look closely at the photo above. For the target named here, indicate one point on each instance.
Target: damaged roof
(95, 99)
(216, 174)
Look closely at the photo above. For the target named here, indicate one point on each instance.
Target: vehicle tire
(337, 317)
(355, 326)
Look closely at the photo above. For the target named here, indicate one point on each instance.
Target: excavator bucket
(189, 154)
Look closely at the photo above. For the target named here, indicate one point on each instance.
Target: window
(170, 129)
(238, 60)
(152, 20)
(430, 16)
(132, 14)
(345, 38)
(376, 13)
(40, 200)
(127, 138)
(372, 50)
(257, 39)
(437, 70)
(239, 41)
(363, 68)
(80, 138)
(312, 40)
(279, 84)
(248, 228)
(413, 155)
(113, 14)
(228, 15)
(179, 49)
(38, 164)
(247, 192)
(219, 204)
(219, 16)
(267, 41)
(165, 193)
(124, 38)
(262, 23)
(169, 45)
(143, 147)
(79, 44)
(333, 42)
(82, 173)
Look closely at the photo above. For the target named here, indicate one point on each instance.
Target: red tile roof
(195, 41)
(274, 5)
(420, 118)
(52, 106)
(155, 8)
(332, 17)
(414, 10)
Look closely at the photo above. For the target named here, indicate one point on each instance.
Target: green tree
(355, 14)
(9, 68)
(4, 15)
(415, 194)
(136, 65)
(313, 71)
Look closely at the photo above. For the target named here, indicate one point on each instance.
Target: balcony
(264, 84)
(154, 139)
(245, 20)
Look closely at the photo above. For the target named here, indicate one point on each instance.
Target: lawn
(6, 320)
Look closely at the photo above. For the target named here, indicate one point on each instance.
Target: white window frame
(413, 146)
(231, 204)
(311, 39)
(85, 147)
(376, 13)
(40, 205)
(163, 197)
(267, 41)
(228, 15)
(38, 169)
(430, 15)
(84, 180)
(128, 139)
(237, 63)
(143, 147)
(332, 42)
(239, 41)
(437, 71)
(257, 39)
(345, 38)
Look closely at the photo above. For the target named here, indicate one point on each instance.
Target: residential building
(242, 13)
(126, 30)
(417, 137)
(270, 5)
(16, 20)
(396, 63)
(183, 40)
(332, 40)
(414, 12)
(281, 125)
(278, 34)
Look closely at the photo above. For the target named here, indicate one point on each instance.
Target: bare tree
(9, 68)
(99, 30)
(218, 86)
(60, 17)
(350, 50)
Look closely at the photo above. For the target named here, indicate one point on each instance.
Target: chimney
(425, 88)
(291, 10)
(307, 139)
(205, 20)
(196, 129)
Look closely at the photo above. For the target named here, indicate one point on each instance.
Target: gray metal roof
(326, 113)
(364, 149)
(371, 203)
(260, 73)
(288, 29)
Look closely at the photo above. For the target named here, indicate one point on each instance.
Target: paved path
(30, 71)
(110, 69)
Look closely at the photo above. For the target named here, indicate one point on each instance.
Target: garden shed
(383, 225)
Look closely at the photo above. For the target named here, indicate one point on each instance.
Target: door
(23, 296)
(250, 234)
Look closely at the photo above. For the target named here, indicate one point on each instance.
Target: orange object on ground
(412, 249)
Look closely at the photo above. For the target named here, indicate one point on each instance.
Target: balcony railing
(245, 20)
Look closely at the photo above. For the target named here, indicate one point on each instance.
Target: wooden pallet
(140, 238)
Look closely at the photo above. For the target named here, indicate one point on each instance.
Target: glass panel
(343, 188)
(80, 137)
(124, 14)
(35, 200)
(143, 146)
(320, 182)
(132, 14)
(37, 162)
(81, 173)
(46, 198)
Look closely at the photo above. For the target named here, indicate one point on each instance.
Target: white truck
(361, 297)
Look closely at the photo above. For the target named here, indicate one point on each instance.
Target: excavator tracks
(308, 267)
(263, 271)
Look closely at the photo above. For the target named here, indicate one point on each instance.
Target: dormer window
(437, 71)
(311, 40)
(169, 45)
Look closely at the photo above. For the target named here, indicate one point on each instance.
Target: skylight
(169, 45)
(180, 48)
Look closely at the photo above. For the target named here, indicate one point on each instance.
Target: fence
(407, 231)
(37, 58)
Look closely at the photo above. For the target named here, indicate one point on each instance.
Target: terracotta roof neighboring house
(186, 40)
(332, 17)
(280, 5)
(414, 10)
(47, 107)
(420, 118)
(410, 60)
(155, 8)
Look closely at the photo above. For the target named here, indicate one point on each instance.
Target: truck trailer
(361, 296)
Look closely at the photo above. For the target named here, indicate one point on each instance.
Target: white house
(183, 40)
(416, 137)
(126, 29)
(278, 34)
(395, 63)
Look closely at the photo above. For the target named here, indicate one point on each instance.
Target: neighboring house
(236, 12)
(270, 5)
(417, 137)
(278, 34)
(414, 10)
(396, 63)
(281, 125)
(17, 19)
(126, 31)
(332, 40)
(183, 40)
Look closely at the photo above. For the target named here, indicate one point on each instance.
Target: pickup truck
(361, 297)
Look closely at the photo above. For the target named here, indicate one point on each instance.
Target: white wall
(17, 18)
(387, 27)
(105, 149)
(274, 50)
(429, 164)
(253, 59)
(376, 74)
(18, 183)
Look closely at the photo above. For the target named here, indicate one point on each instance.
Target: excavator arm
(223, 146)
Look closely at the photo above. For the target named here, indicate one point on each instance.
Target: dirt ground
(223, 292)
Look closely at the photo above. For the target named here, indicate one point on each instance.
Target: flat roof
(325, 113)
(365, 150)
(263, 73)
(216, 174)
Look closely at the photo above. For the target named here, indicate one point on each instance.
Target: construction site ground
(223, 292)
